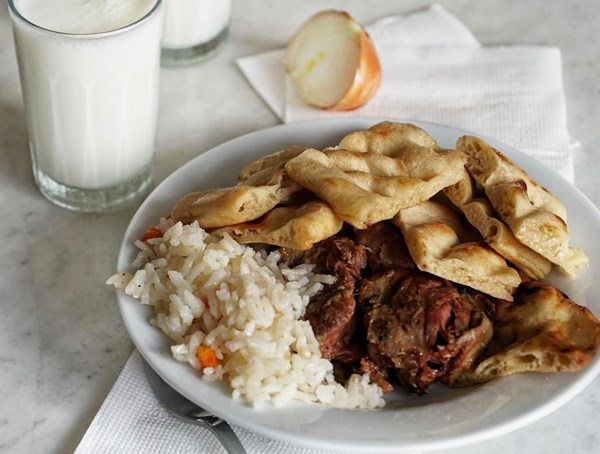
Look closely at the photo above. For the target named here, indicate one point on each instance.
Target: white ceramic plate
(442, 419)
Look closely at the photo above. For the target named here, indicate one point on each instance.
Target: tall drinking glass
(89, 74)
(194, 30)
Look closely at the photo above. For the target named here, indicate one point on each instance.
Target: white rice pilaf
(245, 306)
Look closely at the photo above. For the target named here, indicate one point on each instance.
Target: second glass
(193, 30)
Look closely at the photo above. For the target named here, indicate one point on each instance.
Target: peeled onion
(332, 62)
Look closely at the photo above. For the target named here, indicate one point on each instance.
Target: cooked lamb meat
(332, 312)
(376, 366)
(384, 317)
(474, 330)
(377, 288)
(335, 255)
(331, 315)
(386, 248)
(341, 257)
(425, 329)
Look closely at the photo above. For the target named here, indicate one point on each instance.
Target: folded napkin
(433, 26)
(434, 69)
(132, 421)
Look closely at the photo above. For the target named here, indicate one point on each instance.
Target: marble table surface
(62, 343)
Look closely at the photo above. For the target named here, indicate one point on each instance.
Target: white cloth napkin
(434, 69)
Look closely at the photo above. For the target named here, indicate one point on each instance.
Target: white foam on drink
(83, 16)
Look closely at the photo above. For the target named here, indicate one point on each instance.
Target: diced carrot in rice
(207, 357)
(152, 232)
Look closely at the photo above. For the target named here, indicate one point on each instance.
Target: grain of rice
(245, 306)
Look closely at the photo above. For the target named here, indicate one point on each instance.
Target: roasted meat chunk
(377, 289)
(384, 317)
(386, 248)
(426, 328)
(332, 312)
(331, 315)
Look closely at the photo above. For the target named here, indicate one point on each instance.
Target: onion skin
(366, 80)
(367, 74)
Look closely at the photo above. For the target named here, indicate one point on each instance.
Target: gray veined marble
(62, 343)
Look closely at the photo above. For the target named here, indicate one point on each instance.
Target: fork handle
(225, 435)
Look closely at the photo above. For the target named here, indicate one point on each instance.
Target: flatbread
(225, 206)
(261, 185)
(479, 212)
(438, 242)
(270, 170)
(388, 138)
(297, 227)
(356, 204)
(274, 176)
(364, 187)
(273, 160)
(536, 217)
(542, 331)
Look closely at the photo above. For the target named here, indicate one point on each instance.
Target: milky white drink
(89, 74)
(190, 23)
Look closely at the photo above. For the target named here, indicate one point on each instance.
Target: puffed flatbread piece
(536, 217)
(414, 176)
(273, 160)
(261, 185)
(270, 170)
(356, 204)
(295, 227)
(388, 138)
(287, 188)
(542, 331)
(226, 206)
(365, 188)
(438, 242)
(479, 212)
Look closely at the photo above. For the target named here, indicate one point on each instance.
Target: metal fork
(187, 411)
